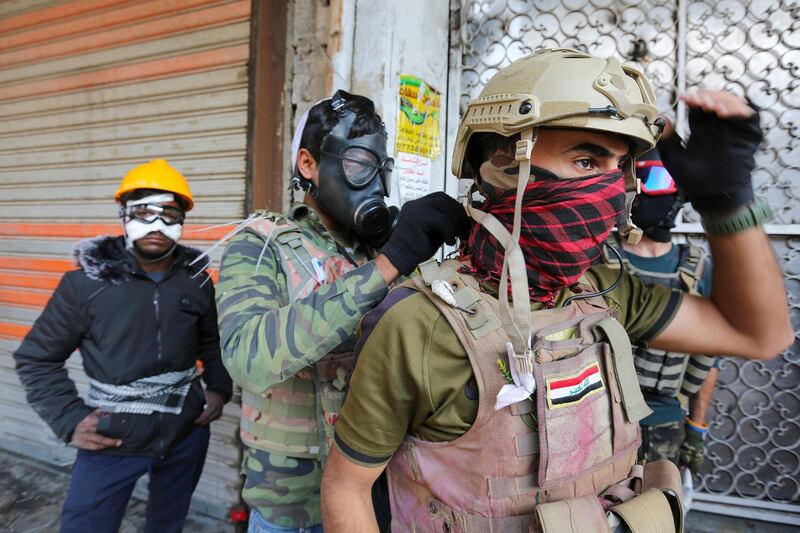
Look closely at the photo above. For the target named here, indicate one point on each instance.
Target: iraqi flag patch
(569, 390)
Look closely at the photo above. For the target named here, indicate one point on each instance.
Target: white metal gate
(751, 48)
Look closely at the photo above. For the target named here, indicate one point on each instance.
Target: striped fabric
(164, 393)
(669, 372)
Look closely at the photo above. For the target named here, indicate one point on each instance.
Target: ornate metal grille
(496, 33)
(754, 416)
(751, 48)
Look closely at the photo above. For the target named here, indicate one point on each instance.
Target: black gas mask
(657, 207)
(656, 214)
(354, 178)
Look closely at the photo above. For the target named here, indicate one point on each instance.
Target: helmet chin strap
(633, 186)
(516, 315)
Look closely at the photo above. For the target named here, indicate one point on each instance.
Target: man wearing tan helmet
(141, 315)
(498, 390)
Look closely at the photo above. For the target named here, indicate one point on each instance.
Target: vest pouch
(331, 400)
(283, 419)
(665, 476)
(331, 376)
(649, 512)
(577, 515)
(626, 435)
(574, 416)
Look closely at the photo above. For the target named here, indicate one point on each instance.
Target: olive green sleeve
(388, 391)
(265, 338)
(645, 310)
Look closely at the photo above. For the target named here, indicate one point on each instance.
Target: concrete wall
(393, 38)
(308, 69)
(364, 46)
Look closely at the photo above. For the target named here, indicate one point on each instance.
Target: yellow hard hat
(157, 174)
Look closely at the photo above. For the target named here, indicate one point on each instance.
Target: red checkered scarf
(563, 227)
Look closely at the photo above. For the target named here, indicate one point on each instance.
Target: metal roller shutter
(88, 89)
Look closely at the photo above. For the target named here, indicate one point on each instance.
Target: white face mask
(136, 229)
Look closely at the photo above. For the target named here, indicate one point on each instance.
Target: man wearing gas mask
(499, 390)
(293, 288)
(667, 378)
(141, 317)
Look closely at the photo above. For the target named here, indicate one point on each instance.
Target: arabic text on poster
(413, 175)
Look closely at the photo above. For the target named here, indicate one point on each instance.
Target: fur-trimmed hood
(106, 259)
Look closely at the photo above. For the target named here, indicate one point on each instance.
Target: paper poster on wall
(418, 118)
(413, 174)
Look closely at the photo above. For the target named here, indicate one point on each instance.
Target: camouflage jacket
(269, 339)
(266, 338)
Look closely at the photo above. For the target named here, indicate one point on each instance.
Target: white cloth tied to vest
(524, 385)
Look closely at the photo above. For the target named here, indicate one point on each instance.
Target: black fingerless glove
(715, 166)
(422, 227)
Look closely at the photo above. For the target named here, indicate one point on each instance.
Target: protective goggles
(655, 179)
(149, 213)
(360, 165)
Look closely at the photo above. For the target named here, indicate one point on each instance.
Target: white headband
(298, 133)
(153, 199)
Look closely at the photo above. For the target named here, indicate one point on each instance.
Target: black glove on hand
(423, 226)
(716, 165)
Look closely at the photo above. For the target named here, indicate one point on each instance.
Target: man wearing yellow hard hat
(146, 192)
(141, 314)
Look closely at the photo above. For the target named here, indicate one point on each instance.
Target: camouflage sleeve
(265, 338)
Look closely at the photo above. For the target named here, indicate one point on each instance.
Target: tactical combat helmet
(562, 88)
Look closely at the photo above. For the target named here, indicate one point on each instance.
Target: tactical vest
(669, 372)
(296, 417)
(547, 465)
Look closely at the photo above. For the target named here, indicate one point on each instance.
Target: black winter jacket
(126, 327)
